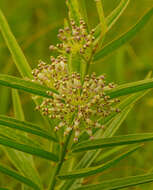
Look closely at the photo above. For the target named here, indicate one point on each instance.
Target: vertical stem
(59, 165)
(70, 63)
(86, 69)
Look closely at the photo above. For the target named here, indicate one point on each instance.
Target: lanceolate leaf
(130, 88)
(17, 107)
(123, 38)
(116, 123)
(125, 103)
(102, 19)
(18, 177)
(14, 48)
(112, 128)
(113, 141)
(109, 153)
(94, 170)
(116, 13)
(25, 85)
(21, 123)
(83, 10)
(25, 165)
(24, 127)
(21, 138)
(120, 183)
(74, 10)
(28, 149)
(113, 17)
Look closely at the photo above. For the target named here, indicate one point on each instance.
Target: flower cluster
(75, 39)
(87, 100)
(84, 98)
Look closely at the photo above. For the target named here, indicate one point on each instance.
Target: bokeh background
(35, 24)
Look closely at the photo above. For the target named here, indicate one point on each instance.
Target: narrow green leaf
(74, 13)
(18, 137)
(83, 11)
(112, 141)
(125, 103)
(85, 172)
(103, 155)
(22, 123)
(120, 183)
(116, 13)
(113, 127)
(113, 16)
(5, 92)
(29, 149)
(117, 121)
(18, 111)
(130, 88)
(102, 19)
(4, 100)
(3, 188)
(14, 48)
(24, 127)
(25, 85)
(18, 177)
(25, 165)
(123, 38)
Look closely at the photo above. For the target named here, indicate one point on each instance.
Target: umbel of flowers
(84, 99)
(75, 39)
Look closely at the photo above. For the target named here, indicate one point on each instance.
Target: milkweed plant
(82, 110)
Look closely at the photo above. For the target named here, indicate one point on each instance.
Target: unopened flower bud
(68, 50)
(75, 139)
(52, 47)
(56, 128)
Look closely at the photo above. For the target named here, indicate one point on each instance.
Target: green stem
(87, 65)
(70, 63)
(59, 165)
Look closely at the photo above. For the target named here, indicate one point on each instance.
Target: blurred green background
(35, 24)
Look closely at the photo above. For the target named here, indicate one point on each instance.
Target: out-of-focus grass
(35, 25)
